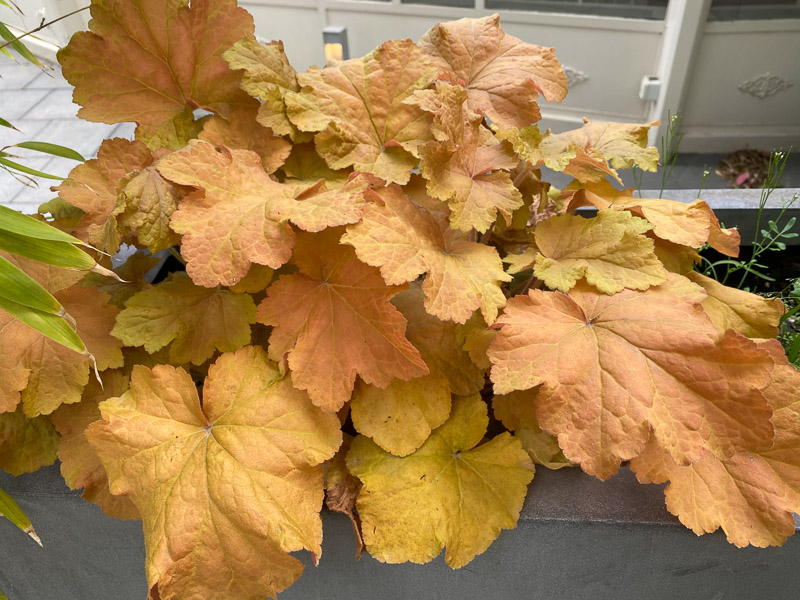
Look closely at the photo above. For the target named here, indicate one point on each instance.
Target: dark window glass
(456, 3)
(735, 10)
(638, 9)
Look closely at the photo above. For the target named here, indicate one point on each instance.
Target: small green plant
(790, 327)
(770, 239)
(670, 142)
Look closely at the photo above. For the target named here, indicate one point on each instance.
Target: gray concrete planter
(578, 539)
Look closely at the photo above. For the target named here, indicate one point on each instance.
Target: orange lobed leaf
(242, 131)
(357, 106)
(227, 488)
(751, 495)
(242, 215)
(406, 241)
(613, 367)
(154, 62)
(468, 169)
(334, 321)
(503, 75)
(94, 185)
(80, 465)
(40, 373)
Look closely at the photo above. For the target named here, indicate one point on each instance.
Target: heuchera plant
(371, 251)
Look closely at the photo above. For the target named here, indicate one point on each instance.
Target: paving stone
(15, 103)
(16, 76)
(57, 104)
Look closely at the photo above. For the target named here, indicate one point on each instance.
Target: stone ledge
(578, 539)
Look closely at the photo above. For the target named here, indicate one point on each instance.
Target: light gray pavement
(40, 105)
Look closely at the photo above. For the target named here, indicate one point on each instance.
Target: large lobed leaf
(503, 75)
(226, 489)
(615, 367)
(357, 106)
(406, 241)
(334, 320)
(451, 492)
(752, 494)
(154, 61)
(242, 215)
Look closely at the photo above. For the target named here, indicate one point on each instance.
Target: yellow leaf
(448, 493)
(406, 241)
(585, 153)
(268, 76)
(225, 489)
(609, 250)
(196, 321)
(401, 417)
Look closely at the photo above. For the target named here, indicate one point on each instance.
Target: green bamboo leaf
(5, 123)
(15, 222)
(53, 326)
(11, 511)
(17, 45)
(18, 287)
(23, 169)
(58, 254)
(53, 149)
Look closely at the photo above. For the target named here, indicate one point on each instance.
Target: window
(734, 10)
(639, 9)
(456, 3)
